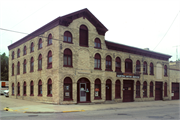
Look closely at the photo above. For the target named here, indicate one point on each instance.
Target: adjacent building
(69, 61)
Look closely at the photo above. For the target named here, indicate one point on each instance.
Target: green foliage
(4, 66)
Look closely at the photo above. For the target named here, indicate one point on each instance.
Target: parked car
(6, 93)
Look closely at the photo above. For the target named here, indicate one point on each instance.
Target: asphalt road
(167, 112)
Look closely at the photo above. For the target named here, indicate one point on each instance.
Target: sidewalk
(25, 106)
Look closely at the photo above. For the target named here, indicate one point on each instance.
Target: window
(32, 65)
(67, 58)
(118, 89)
(40, 44)
(12, 55)
(108, 63)
(83, 36)
(31, 88)
(32, 47)
(151, 89)
(49, 92)
(137, 89)
(18, 89)
(12, 88)
(18, 68)
(50, 39)
(165, 89)
(165, 70)
(128, 66)
(97, 61)
(145, 89)
(18, 53)
(40, 62)
(24, 66)
(24, 51)
(67, 37)
(97, 43)
(40, 88)
(24, 89)
(67, 89)
(12, 69)
(118, 64)
(151, 69)
(97, 89)
(138, 67)
(49, 60)
(145, 67)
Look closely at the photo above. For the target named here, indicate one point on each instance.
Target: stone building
(174, 79)
(69, 61)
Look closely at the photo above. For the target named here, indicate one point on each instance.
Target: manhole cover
(32, 115)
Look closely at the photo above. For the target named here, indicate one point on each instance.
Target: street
(166, 112)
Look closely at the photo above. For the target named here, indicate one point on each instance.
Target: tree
(4, 66)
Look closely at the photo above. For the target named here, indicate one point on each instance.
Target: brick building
(69, 61)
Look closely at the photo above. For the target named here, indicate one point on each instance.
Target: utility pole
(177, 51)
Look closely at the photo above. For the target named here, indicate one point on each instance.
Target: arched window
(138, 89)
(97, 89)
(31, 88)
(83, 36)
(67, 89)
(118, 89)
(12, 55)
(151, 89)
(24, 89)
(165, 89)
(12, 69)
(138, 67)
(32, 47)
(67, 58)
(12, 88)
(67, 37)
(24, 66)
(32, 65)
(49, 65)
(18, 53)
(151, 69)
(145, 89)
(128, 66)
(97, 43)
(40, 44)
(18, 89)
(40, 88)
(40, 62)
(145, 67)
(97, 61)
(118, 64)
(165, 70)
(24, 51)
(18, 68)
(50, 39)
(49, 88)
(108, 63)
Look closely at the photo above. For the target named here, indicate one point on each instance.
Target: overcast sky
(141, 24)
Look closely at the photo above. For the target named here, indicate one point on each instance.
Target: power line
(167, 31)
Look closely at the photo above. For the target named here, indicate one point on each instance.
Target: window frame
(108, 63)
(49, 39)
(32, 47)
(68, 82)
(151, 89)
(49, 88)
(138, 67)
(128, 66)
(83, 36)
(97, 43)
(13, 89)
(31, 88)
(97, 61)
(165, 71)
(13, 69)
(32, 65)
(97, 83)
(39, 59)
(118, 60)
(145, 68)
(151, 69)
(40, 86)
(24, 66)
(24, 50)
(118, 89)
(68, 35)
(18, 68)
(18, 53)
(138, 89)
(67, 56)
(49, 64)
(18, 89)
(144, 89)
(24, 89)
(40, 44)
(165, 89)
(13, 55)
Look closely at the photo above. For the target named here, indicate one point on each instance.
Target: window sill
(97, 68)
(39, 69)
(98, 47)
(117, 97)
(24, 73)
(49, 44)
(68, 42)
(32, 95)
(118, 71)
(24, 54)
(138, 97)
(84, 45)
(97, 98)
(108, 70)
(165, 76)
(151, 96)
(49, 67)
(67, 66)
(18, 94)
(145, 74)
(18, 74)
(144, 96)
(31, 51)
(151, 74)
(12, 75)
(12, 94)
(68, 99)
(40, 95)
(24, 95)
(39, 48)
(31, 71)
(165, 96)
(50, 95)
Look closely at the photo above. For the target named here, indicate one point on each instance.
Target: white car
(6, 93)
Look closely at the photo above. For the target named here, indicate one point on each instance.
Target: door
(158, 91)
(82, 92)
(108, 91)
(175, 91)
(128, 90)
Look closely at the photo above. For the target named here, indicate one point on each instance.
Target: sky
(153, 24)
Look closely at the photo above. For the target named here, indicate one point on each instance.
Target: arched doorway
(83, 90)
(108, 89)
